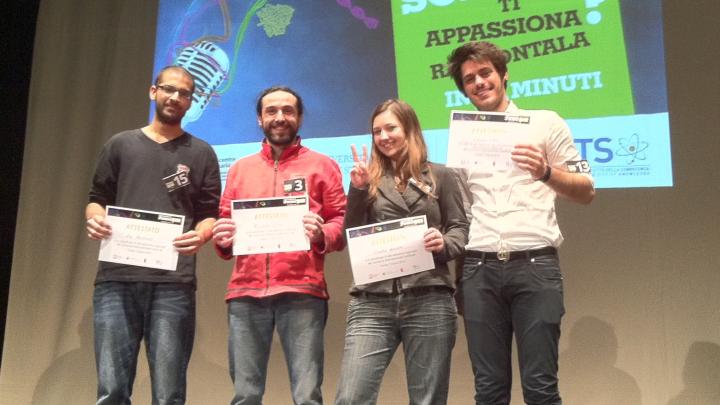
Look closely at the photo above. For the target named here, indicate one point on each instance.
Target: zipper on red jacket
(275, 168)
(267, 255)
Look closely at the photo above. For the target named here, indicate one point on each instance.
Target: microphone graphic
(209, 65)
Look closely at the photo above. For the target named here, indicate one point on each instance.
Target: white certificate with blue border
(269, 225)
(388, 249)
(141, 238)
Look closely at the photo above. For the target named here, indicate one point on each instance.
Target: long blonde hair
(413, 159)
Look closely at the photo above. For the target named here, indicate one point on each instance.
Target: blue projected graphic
(237, 49)
(340, 56)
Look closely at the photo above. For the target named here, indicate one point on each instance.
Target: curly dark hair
(476, 51)
(273, 89)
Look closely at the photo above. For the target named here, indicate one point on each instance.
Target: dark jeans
(522, 296)
(125, 313)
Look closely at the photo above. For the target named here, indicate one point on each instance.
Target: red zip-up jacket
(260, 176)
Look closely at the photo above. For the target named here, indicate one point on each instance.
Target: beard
(169, 118)
(286, 137)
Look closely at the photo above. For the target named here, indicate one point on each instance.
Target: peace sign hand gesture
(359, 176)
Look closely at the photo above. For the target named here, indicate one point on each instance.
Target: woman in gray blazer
(416, 310)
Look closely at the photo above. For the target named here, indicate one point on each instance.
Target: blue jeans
(300, 320)
(524, 297)
(424, 321)
(125, 313)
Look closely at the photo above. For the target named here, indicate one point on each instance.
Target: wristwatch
(546, 176)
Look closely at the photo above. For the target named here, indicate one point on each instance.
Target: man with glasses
(159, 168)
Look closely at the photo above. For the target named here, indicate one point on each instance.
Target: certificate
(141, 238)
(269, 225)
(483, 141)
(388, 249)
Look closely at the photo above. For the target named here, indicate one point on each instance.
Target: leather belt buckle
(503, 255)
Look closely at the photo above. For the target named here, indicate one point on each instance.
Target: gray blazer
(444, 211)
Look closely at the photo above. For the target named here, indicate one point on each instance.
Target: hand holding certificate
(484, 140)
(269, 225)
(388, 249)
(141, 238)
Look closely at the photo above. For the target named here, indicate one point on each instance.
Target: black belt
(412, 291)
(514, 255)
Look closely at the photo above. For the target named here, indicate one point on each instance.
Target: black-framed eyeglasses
(171, 90)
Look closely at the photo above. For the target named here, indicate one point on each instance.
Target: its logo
(632, 148)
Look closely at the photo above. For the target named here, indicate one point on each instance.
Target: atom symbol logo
(632, 148)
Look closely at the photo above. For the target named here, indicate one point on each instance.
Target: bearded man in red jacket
(284, 289)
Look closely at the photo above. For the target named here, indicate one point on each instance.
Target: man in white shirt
(511, 280)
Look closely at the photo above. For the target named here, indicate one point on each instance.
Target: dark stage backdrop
(19, 31)
(641, 265)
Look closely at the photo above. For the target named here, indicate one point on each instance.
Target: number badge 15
(176, 181)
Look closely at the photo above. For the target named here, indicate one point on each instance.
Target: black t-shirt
(129, 174)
